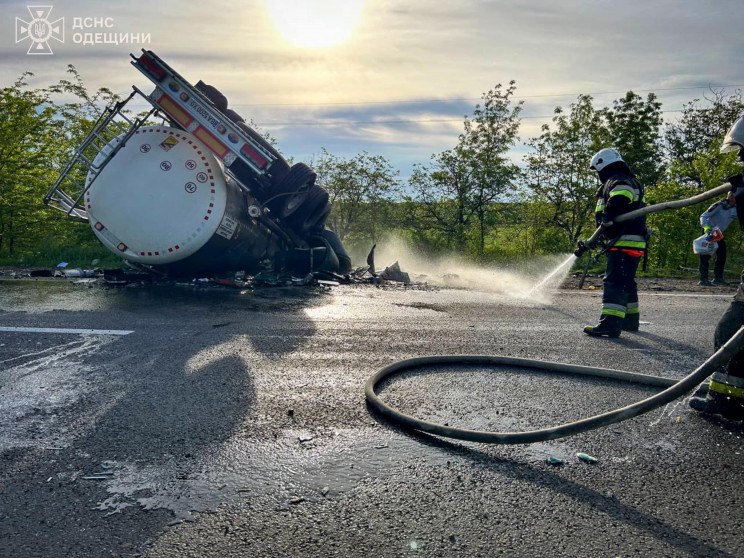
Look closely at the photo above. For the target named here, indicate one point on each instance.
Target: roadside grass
(734, 266)
(91, 256)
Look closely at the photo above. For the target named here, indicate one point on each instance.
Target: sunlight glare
(315, 23)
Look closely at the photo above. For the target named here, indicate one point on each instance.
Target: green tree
(461, 185)
(700, 129)
(439, 203)
(37, 136)
(634, 128)
(486, 141)
(360, 189)
(557, 171)
(27, 148)
(674, 231)
(694, 164)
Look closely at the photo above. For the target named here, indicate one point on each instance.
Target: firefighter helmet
(734, 139)
(605, 157)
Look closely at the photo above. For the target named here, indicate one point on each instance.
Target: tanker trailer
(203, 193)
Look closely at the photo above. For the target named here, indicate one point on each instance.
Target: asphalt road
(234, 424)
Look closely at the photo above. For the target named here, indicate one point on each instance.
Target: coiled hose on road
(674, 389)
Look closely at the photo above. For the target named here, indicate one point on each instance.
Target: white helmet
(734, 139)
(605, 157)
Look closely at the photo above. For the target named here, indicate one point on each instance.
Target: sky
(395, 77)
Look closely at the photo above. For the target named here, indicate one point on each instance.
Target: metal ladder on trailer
(86, 165)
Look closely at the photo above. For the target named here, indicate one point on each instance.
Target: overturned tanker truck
(203, 193)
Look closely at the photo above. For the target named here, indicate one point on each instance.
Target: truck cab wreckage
(201, 194)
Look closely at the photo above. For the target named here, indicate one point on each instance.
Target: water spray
(568, 262)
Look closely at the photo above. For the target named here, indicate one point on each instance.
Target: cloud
(406, 51)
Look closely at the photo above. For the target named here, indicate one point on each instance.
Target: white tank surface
(160, 199)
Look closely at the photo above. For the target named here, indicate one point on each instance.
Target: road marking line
(40, 352)
(67, 330)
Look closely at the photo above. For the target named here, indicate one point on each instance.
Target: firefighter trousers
(727, 326)
(620, 293)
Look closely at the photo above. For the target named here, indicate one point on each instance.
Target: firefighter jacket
(620, 194)
(739, 197)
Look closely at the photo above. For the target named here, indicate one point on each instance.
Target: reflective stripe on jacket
(620, 194)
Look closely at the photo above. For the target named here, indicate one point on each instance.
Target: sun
(315, 23)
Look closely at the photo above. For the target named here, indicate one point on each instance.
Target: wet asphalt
(234, 423)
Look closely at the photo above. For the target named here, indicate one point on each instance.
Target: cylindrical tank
(164, 201)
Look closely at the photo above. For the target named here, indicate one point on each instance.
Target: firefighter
(717, 216)
(619, 193)
(724, 394)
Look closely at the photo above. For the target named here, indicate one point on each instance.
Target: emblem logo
(40, 30)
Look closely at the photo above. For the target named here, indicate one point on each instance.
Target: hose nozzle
(582, 247)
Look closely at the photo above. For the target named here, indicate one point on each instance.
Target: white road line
(55, 347)
(66, 330)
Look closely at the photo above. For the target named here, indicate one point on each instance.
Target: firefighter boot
(701, 391)
(608, 325)
(725, 397)
(631, 322)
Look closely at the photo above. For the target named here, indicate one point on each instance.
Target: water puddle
(35, 394)
(295, 468)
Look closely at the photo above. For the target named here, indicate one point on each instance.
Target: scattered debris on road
(394, 273)
(587, 458)
(133, 277)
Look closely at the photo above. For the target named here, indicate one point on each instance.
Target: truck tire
(317, 221)
(277, 171)
(292, 191)
(213, 94)
(344, 261)
(308, 215)
(234, 116)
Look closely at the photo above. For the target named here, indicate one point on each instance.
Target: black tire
(234, 116)
(292, 191)
(330, 260)
(293, 202)
(315, 223)
(213, 94)
(310, 212)
(277, 172)
(344, 261)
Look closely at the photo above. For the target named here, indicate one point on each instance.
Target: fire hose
(675, 204)
(674, 388)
